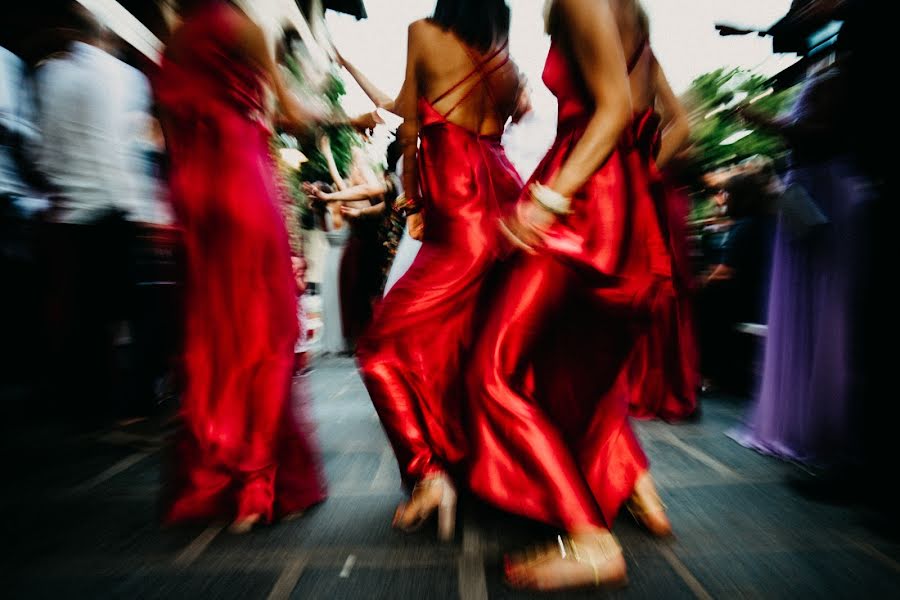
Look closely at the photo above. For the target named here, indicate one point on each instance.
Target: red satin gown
(664, 369)
(549, 386)
(244, 446)
(412, 355)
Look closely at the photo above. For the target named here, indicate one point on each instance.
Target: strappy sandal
(599, 552)
(649, 510)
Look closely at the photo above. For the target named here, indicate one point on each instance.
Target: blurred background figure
(21, 202)
(337, 232)
(89, 103)
(401, 247)
(403, 252)
(355, 207)
(735, 289)
(804, 407)
(361, 264)
(244, 450)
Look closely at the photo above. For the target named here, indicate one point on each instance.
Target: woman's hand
(366, 122)
(527, 226)
(315, 193)
(416, 226)
(351, 214)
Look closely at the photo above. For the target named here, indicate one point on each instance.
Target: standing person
(550, 439)
(353, 206)
(737, 289)
(460, 89)
(244, 450)
(337, 232)
(360, 274)
(803, 411)
(408, 247)
(19, 203)
(402, 255)
(663, 369)
(86, 115)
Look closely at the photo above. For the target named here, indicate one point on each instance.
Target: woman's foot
(587, 559)
(245, 524)
(647, 508)
(434, 493)
(293, 516)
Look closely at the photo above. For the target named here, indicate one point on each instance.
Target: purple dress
(803, 409)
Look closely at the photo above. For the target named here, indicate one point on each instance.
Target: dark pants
(88, 302)
(727, 356)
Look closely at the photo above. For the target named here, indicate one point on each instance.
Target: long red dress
(244, 446)
(548, 386)
(664, 368)
(412, 355)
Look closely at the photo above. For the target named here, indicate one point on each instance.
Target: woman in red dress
(460, 90)
(244, 450)
(664, 367)
(550, 439)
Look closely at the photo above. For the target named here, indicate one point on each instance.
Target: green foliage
(711, 98)
(342, 137)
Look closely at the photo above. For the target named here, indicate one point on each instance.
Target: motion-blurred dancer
(550, 438)
(461, 87)
(664, 368)
(244, 450)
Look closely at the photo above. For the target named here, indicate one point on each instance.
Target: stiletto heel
(425, 502)
(447, 514)
(245, 524)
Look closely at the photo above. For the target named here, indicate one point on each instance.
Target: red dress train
(548, 384)
(244, 446)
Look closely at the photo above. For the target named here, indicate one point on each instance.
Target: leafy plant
(342, 137)
(712, 97)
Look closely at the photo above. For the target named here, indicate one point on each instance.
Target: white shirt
(16, 120)
(86, 115)
(150, 204)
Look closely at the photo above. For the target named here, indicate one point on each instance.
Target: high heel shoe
(245, 524)
(648, 509)
(434, 493)
(586, 560)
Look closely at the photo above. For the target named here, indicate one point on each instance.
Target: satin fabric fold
(548, 383)
(664, 369)
(412, 356)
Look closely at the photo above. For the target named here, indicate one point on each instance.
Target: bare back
(474, 89)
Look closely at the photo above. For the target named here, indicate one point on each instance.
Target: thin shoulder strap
(638, 53)
(476, 68)
(483, 75)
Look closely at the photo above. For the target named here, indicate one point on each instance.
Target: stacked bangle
(550, 200)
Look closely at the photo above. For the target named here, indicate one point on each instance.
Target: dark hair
(479, 23)
(394, 153)
(747, 195)
(81, 24)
